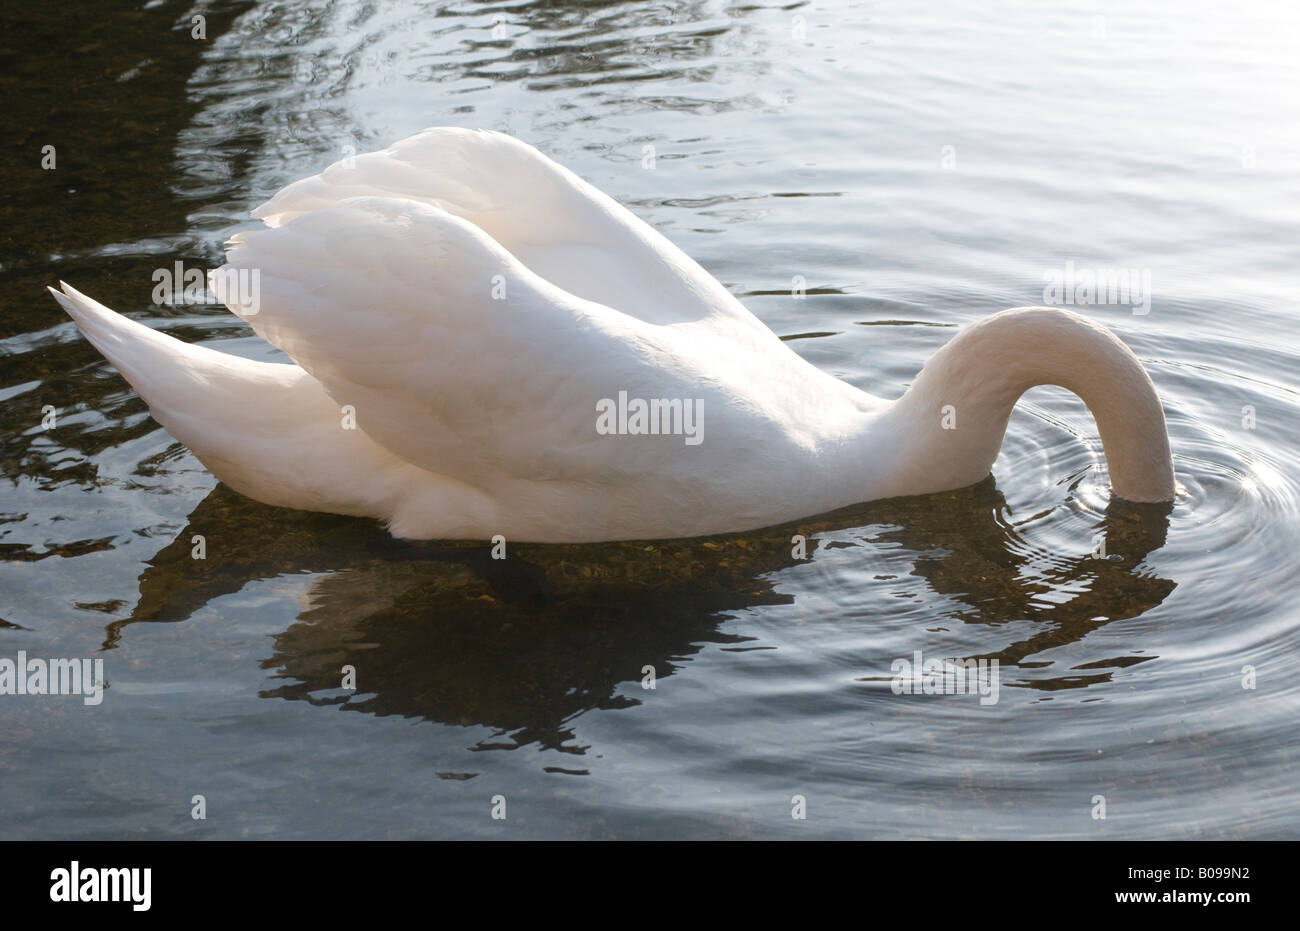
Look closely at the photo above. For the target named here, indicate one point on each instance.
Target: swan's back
(463, 362)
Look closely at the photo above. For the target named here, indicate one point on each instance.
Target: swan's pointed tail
(267, 429)
(189, 389)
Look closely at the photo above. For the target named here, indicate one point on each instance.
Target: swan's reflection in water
(524, 644)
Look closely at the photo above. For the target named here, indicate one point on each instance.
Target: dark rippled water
(919, 165)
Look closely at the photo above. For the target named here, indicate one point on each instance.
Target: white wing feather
(393, 306)
(556, 224)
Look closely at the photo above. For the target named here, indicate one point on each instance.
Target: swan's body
(473, 302)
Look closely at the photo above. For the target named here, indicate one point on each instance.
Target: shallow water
(919, 165)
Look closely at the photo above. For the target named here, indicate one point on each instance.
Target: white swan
(474, 303)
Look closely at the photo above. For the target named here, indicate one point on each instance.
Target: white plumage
(473, 302)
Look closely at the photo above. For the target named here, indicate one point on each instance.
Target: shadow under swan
(522, 645)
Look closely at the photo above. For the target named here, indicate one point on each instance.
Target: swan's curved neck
(952, 420)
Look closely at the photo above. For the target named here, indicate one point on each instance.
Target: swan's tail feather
(270, 431)
(226, 409)
(179, 381)
(118, 338)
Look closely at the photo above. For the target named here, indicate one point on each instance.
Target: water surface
(911, 167)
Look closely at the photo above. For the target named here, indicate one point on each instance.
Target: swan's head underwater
(456, 307)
